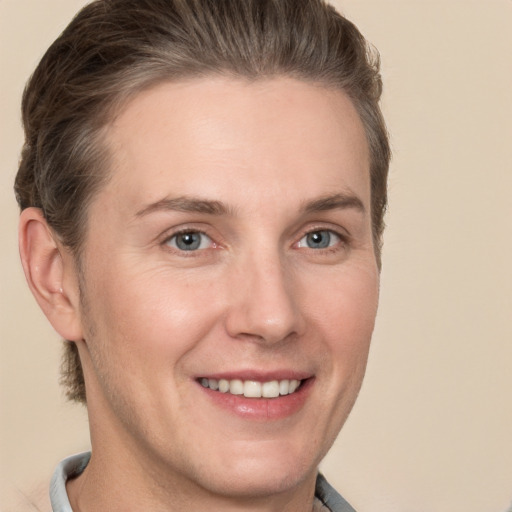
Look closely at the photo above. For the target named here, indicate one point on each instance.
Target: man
(202, 190)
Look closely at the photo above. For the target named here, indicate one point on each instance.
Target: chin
(270, 472)
(258, 484)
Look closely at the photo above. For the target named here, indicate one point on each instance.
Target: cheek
(345, 315)
(142, 332)
(150, 319)
(346, 307)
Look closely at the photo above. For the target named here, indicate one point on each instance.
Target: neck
(114, 487)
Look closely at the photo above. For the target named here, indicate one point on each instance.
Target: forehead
(206, 136)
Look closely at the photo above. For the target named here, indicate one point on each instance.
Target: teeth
(236, 387)
(294, 384)
(252, 388)
(223, 385)
(270, 389)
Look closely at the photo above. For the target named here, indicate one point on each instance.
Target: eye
(320, 239)
(190, 241)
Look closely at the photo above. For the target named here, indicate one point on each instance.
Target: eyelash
(343, 241)
(166, 242)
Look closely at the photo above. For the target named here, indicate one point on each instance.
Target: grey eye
(321, 239)
(190, 241)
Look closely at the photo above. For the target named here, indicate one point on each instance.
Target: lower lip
(262, 408)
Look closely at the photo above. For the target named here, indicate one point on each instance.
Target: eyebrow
(185, 204)
(210, 207)
(335, 202)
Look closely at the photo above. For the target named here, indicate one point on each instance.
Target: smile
(253, 388)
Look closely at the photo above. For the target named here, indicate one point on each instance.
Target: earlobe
(50, 273)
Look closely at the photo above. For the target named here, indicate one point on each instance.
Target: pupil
(319, 240)
(188, 241)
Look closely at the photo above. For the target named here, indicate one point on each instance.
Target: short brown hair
(113, 49)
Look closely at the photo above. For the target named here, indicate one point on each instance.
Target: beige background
(433, 426)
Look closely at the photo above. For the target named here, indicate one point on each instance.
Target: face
(229, 283)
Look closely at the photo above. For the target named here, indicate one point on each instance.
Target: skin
(151, 319)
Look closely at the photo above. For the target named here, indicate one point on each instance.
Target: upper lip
(258, 375)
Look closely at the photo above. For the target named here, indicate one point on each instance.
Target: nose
(263, 304)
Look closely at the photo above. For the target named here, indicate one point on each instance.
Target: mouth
(259, 396)
(253, 388)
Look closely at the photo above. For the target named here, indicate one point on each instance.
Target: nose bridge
(263, 305)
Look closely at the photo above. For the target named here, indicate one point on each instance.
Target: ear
(51, 274)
